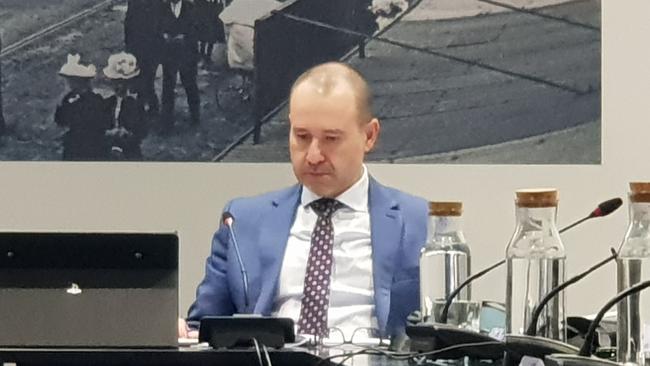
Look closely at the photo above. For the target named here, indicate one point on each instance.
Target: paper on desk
(187, 341)
(531, 361)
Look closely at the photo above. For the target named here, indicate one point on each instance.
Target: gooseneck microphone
(586, 349)
(537, 311)
(229, 220)
(529, 344)
(445, 310)
(604, 208)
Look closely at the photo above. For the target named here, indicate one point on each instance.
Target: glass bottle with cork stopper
(633, 266)
(535, 259)
(445, 264)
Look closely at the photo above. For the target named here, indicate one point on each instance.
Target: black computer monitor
(88, 289)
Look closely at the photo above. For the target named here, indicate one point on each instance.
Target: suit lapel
(183, 12)
(274, 233)
(385, 236)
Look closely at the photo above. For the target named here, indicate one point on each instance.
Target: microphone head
(227, 218)
(607, 207)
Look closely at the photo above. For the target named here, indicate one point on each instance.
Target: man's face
(77, 84)
(327, 140)
(119, 86)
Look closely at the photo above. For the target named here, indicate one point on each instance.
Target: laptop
(88, 290)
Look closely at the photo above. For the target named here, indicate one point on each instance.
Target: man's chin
(319, 186)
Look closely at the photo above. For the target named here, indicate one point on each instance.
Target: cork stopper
(445, 208)
(536, 197)
(640, 191)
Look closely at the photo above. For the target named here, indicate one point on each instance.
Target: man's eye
(331, 138)
(302, 136)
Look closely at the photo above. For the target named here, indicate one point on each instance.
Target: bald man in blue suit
(377, 231)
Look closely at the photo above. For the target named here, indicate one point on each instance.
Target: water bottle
(444, 264)
(535, 261)
(633, 266)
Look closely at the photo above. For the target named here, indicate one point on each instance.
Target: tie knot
(325, 207)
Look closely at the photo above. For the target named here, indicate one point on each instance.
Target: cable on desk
(257, 349)
(266, 354)
(403, 355)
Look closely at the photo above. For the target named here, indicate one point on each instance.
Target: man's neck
(339, 193)
(357, 179)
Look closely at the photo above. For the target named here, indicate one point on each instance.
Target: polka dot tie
(316, 291)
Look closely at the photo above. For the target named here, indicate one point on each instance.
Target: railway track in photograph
(34, 37)
(32, 88)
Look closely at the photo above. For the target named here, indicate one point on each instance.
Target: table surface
(201, 355)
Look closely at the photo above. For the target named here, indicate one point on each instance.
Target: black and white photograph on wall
(453, 81)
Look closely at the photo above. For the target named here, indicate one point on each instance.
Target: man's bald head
(330, 77)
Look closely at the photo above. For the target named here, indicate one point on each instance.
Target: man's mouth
(317, 174)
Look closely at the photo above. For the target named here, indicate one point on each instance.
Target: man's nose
(314, 153)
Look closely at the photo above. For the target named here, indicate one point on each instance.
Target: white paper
(531, 361)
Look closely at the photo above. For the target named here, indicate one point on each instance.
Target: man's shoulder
(264, 200)
(403, 199)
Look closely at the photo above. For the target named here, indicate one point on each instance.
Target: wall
(189, 197)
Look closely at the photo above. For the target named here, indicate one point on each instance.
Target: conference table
(201, 356)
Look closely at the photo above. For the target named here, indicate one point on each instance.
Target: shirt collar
(355, 197)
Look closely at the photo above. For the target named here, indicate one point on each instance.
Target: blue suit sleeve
(405, 291)
(213, 293)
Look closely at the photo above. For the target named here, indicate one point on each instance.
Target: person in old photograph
(125, 108)
(80, 111)
(180, 56)
(143, 39)
(338, 249)
(210, 27)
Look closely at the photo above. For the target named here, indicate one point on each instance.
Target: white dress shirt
(118, 109)
(176, 8)
(352, 303)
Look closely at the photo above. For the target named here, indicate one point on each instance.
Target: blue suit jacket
(262, 224)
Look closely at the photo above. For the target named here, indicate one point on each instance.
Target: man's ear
(372, 134)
